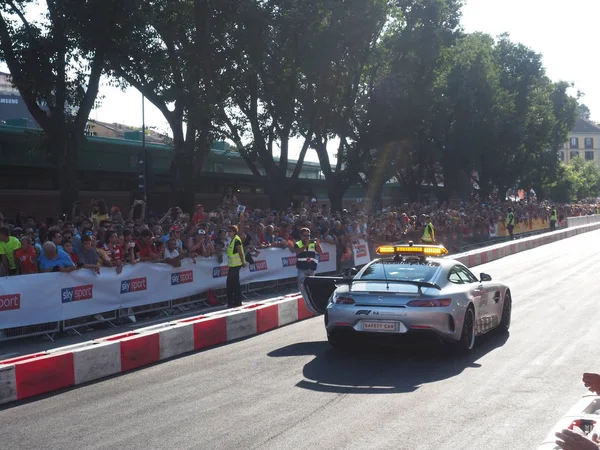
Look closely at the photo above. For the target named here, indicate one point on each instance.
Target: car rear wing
(349, 281)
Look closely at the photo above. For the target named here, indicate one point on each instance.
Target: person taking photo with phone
(307, 251)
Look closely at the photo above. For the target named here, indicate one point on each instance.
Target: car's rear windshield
(401, 271)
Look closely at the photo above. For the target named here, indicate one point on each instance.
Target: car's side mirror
(351, 272)
(485, 277)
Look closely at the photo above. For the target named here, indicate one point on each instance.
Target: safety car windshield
(400, 271)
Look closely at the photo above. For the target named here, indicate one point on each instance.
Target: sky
(564, 32)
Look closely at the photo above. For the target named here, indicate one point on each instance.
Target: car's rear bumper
(445, 323)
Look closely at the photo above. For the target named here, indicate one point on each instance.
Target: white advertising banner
(361, 252)
(49, 297)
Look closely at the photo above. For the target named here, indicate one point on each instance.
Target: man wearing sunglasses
(307, 251)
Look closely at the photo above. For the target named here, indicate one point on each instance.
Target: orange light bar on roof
(425, 250)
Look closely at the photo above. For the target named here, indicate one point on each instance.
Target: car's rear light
(430, 303)
(344, 300)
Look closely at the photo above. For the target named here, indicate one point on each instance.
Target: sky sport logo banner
(77, 293)
(288, 261)
(361, 251)
(323, 257)
(258, 266)
(220, 271)
(182, 277)
(133, 285)
(9, 302)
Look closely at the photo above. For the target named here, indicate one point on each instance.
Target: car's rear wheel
(339, 341)
(467, 336)
(506, 312)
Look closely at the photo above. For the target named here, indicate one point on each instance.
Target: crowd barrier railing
(582, 220)
(48, 302)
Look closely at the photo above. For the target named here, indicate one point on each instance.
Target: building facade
(109, 169)
(583, 142)
(13, 110)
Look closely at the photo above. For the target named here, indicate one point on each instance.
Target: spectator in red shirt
(199, 216)
(26, 257)
(146, 249)
(111, 253)
(67, 247)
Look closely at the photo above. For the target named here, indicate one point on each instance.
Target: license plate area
(383, 326)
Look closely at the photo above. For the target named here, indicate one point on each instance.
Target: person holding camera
(54, 260)
(306, 250)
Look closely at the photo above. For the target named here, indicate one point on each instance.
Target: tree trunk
(184, 180)
(414, 192)
(335, 192)
(278, 195)
(66, 152)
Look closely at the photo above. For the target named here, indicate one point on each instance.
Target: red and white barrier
(498, 251)
(40, 373)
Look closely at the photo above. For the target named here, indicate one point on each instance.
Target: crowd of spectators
(103, 237)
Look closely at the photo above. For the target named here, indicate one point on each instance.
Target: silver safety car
(410, 289)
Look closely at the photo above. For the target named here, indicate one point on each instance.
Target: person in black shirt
(306, 250)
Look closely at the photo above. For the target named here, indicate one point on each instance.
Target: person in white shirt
(172, 255)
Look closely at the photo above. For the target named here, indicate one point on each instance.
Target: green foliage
(395, 84)
(576, 181)
(583, 111)
(179, 59)
(56, 63)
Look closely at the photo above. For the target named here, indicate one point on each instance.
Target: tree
(405, 95)
(467, 103)
(178, 59)
(338, 89)
(273, 37)
(577, 181)
(56, 65)
(544, 166)
(583, 111)
(500, 115)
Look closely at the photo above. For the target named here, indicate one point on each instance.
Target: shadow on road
(383, 370)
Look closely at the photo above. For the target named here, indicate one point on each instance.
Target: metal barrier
(47, 329)
(253, 288)
(86, 321)
(158, 306)
(181, 303)
(582, 220)
(287, 282)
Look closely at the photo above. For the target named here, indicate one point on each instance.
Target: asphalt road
(287, 390)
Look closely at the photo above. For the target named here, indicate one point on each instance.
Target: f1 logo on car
(133, 285)
(77, 293)
(221, 271)
(288, 261)
(258, 266)
(363, 312)
(182, 277)
(8, 302)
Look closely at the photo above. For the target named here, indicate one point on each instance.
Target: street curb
(504, 249)
(41, 373)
